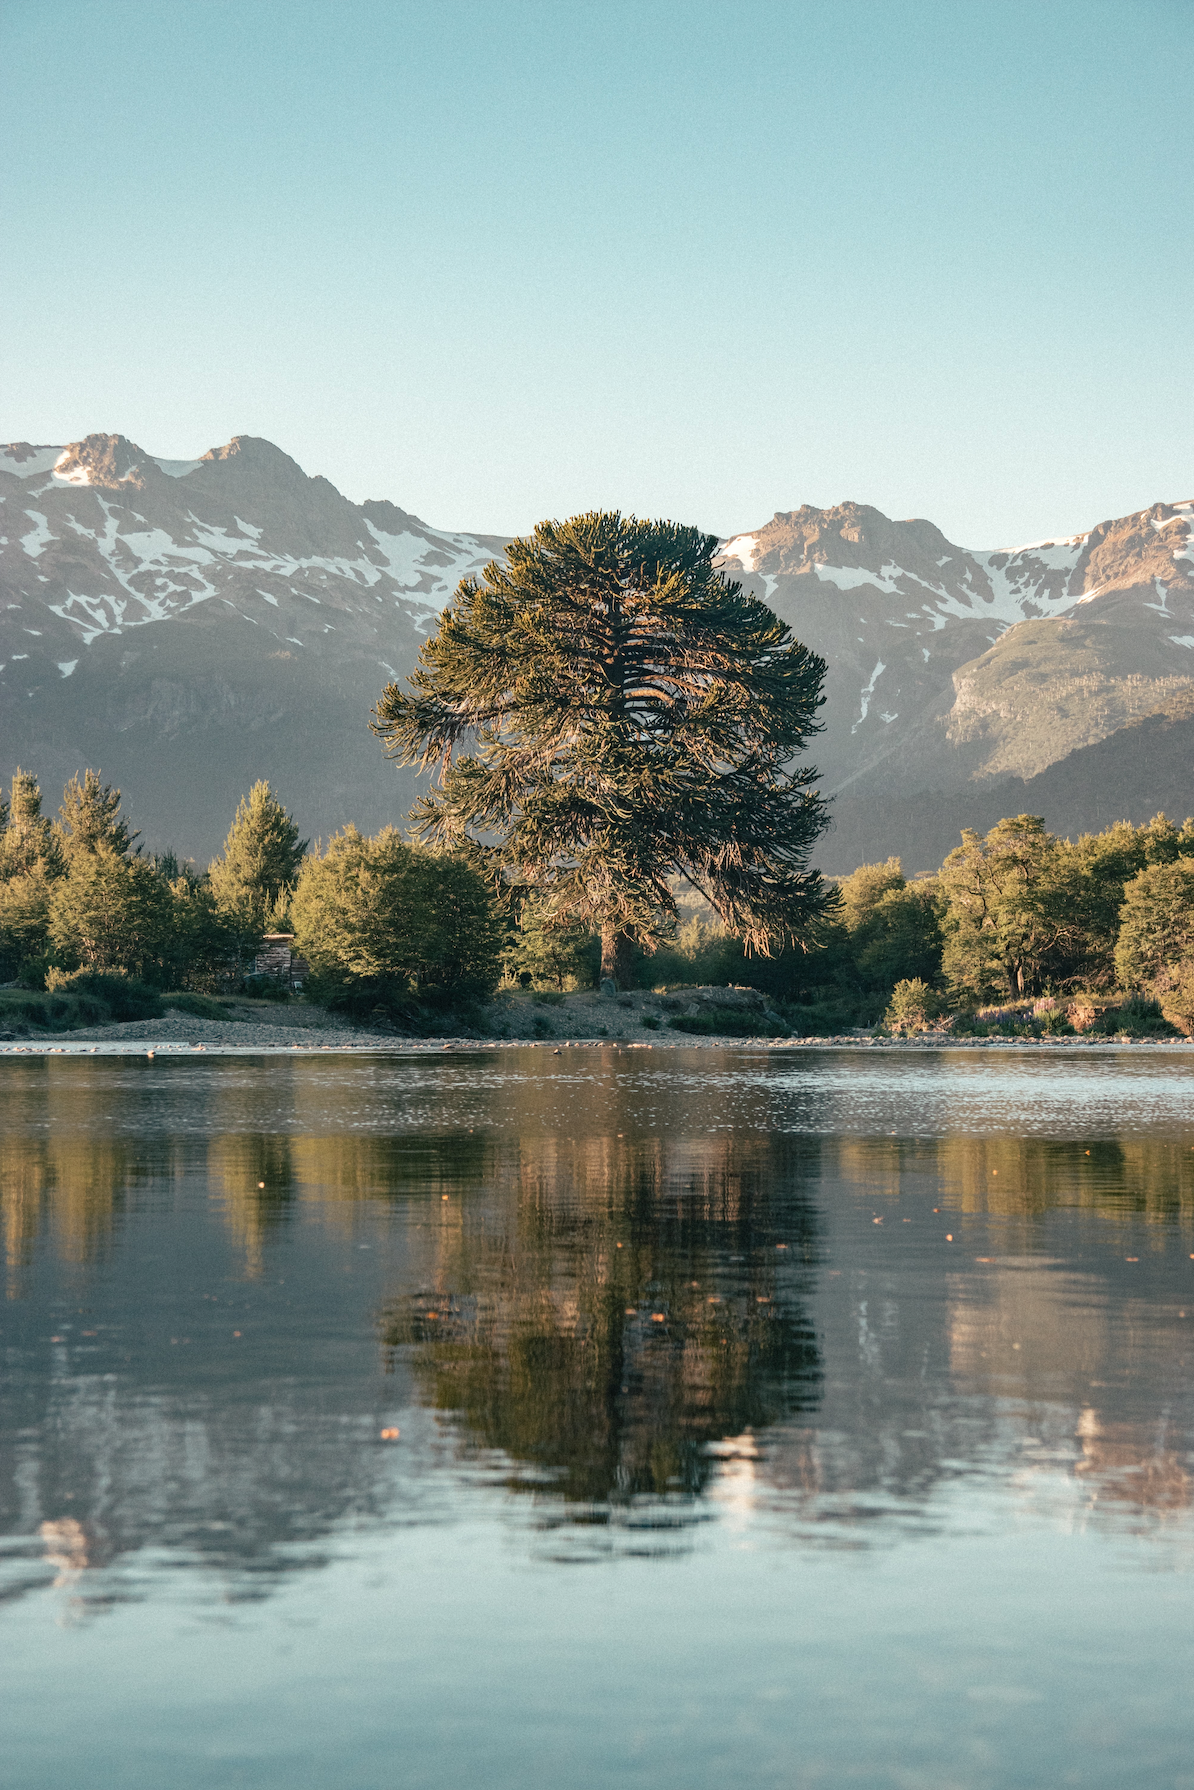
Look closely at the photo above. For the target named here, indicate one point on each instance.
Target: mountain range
(189, 626)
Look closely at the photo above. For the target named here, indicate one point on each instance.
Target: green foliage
(263, 855)
(1138, 1017)
(199, 1006)
(205, 942)
(89, 818)
(1004, 910)
(123, 996)
(629, 715)
(913, 1007)
(729, 1022)
(50, 1012)
(699, 955)
(1174, 986)
(1054, 1022)
(112, 913)
(652, 1021)
(28, 842)
(266, 988)
(893, 927)
(556, 951)
(1156, 931)
(381, 922)
(24, 919)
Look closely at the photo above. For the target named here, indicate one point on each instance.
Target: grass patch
(1136, 1018)
(729, 1022)
(199, 1006)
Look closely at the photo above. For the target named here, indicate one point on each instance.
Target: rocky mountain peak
(104, 460)
(253, 454)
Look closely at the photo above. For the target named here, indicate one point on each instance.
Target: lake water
(763, 1417)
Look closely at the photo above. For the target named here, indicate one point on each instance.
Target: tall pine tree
(614, 714)
(262, 858)
(90, 819)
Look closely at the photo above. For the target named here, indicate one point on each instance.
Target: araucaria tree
(608, 713)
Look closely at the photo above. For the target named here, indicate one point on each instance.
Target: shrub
(833, 1013)
(729, 1022)
(1138, 1017)
(652, 1021)
(266, 988)
(913, 1007)
(1174, 988)
(385, 924)
(123, 997)
(547, 997)
(200, 1006)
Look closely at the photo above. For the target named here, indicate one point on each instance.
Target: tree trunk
(616, 956)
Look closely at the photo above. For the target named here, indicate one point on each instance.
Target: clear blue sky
(498, 261)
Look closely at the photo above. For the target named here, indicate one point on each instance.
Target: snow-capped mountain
(188, 626)
(947, 664)
(165, 535)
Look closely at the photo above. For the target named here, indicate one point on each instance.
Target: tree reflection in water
(621, 1308)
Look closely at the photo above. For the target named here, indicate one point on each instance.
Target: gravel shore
(627, 1021)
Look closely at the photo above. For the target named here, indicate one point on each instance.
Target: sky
(500, 261)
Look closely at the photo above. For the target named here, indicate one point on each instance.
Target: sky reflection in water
(765, 1417)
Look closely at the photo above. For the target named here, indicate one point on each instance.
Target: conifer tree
(262, 857)
(28, 842)
(626, 715)
(89, 818)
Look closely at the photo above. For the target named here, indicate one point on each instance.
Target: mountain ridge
(189, 625)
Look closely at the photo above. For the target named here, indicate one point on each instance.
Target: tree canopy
(90, 819)
(378, 920)
(607, 713)
(262, 858)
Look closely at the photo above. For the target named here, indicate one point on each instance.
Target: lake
(670, 1418)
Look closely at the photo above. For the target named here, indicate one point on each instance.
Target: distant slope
(947, 665)
(1142, 768)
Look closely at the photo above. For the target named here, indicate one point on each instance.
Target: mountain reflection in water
(696, 1284)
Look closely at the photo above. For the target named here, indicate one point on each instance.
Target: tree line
(1017, 917)
(380, 921)
(79, 896)
(1011, 917)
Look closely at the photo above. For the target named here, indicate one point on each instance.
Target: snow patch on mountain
(867, 692)
(742, 548)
